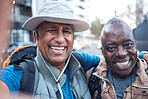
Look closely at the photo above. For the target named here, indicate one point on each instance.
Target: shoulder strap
(94, 85)
(23, 59)
(80, 60)
(30, 76)
(20, 52)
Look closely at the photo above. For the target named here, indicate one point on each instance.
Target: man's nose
(121, 52)
(60, 37)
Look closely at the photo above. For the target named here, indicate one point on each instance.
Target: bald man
(122, 74)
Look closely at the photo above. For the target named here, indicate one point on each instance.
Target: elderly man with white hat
(59, 72)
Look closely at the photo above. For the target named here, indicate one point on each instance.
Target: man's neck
(125, 76)
(60, 67)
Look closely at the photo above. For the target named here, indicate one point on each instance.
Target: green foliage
(96, 27)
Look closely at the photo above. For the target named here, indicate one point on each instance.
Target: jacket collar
(102, 69)
(142, 76)
(49, 75)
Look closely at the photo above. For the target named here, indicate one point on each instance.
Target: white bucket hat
(58, 12)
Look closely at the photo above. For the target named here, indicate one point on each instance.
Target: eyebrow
(67, 28)
(54, 26)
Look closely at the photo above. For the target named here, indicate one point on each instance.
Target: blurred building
(24, 9)
(139, 11)
(141, 35)
(141, 31)
(21, 11)
(80, 8)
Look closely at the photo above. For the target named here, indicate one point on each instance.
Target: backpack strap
(94, 85)
(80, 60)
(23, 59)
(83, 67)
(30, 75)
(18, 53)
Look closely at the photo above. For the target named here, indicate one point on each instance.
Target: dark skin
(55, 42)
(119, 49)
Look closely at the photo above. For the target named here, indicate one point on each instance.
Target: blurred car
(16, 45)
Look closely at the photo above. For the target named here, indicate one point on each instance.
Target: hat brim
(33, 22)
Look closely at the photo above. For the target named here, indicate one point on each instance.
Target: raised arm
(10, 80)
(4, 91)
(89, 60)
(144, 55)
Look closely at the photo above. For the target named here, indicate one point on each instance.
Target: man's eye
(51, 31)
(66, 32)
(128, 45)
(111, 49)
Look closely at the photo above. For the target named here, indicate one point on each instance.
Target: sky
(105, 9)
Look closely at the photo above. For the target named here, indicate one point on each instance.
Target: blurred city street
(93, 50)
(133, 12)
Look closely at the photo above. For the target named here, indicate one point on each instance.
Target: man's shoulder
(10, 69)
(11, 77)
(142, 62)
(18, 54)
(10, 72)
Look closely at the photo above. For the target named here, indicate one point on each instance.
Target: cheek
(43, 43)
(70, 43)
(133, 52)
(46, 38)
(109, 57)
(69, 39)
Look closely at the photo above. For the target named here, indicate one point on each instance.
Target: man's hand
(94, 84)
(4, 91)
(145, 57)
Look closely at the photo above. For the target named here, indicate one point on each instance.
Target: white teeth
(122, 64)
(57, 48)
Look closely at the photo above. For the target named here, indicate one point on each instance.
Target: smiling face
(55, 42)
(119, 49)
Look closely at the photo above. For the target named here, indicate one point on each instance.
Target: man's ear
(102, 51)
(35, 35)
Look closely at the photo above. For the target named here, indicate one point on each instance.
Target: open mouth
(57, 50)
(122, 64)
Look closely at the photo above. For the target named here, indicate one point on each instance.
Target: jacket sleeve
(11, 78)
(89, 60)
